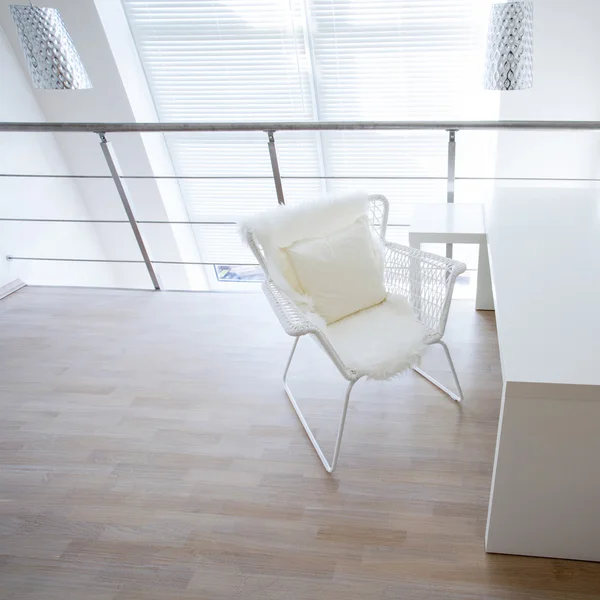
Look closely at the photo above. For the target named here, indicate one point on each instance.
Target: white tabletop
(545, 258)
(448, 219)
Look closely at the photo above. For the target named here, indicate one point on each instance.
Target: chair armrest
(426, 279)
(292, 319)
(295, 323)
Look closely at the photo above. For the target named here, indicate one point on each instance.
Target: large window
(310, 60)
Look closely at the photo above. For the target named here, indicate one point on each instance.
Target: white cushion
(341, 273)
(381, 341)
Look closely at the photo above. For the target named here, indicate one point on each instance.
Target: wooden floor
(147, 451)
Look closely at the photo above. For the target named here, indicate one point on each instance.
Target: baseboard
(11, 288)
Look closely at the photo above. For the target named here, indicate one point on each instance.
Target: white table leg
(415, 284)
(413, 241)
(485, 298)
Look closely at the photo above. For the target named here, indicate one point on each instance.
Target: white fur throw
(284, 225)
(379, 342)
(280, 227)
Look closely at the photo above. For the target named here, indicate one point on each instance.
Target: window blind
(298, 60)
(398, 60)
(230, 61)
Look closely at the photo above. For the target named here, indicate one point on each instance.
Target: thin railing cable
(141, 222)
(304, 177)
(127, 261)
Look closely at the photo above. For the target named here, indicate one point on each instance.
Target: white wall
(40, 198)
(566, 86)
(108, 102)
(119, 37)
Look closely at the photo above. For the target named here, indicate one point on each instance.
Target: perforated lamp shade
(509, 57)
(52, 60)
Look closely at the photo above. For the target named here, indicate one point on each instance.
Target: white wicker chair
(427, 280)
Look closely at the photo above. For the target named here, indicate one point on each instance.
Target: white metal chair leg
(338, 442)
(456, 397)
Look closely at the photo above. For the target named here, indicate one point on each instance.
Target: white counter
(545, 254)
(544, 250)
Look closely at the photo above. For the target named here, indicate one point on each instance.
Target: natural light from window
(314, 60)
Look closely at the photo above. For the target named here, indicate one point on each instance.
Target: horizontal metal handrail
(228, 177)
(296, 126)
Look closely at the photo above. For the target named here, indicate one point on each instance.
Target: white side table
(456, 224)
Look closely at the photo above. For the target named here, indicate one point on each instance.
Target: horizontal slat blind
(398, 60)
(298, 60)
(235, 60)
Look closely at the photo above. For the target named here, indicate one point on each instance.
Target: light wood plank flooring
(147, 451)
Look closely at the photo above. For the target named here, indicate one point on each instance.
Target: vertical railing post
(275, 168)
(112, 166)
(450, 180)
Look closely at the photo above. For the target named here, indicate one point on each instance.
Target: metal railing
(270, 129)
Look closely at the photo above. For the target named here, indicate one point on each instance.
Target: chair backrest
(379, 209)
